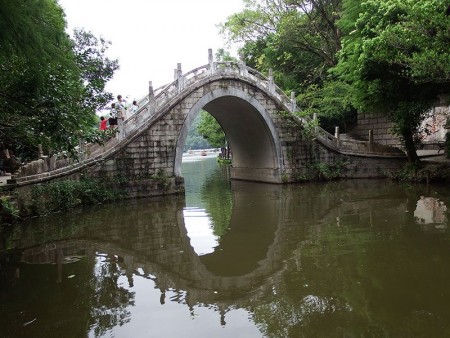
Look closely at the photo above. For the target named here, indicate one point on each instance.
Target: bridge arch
(249, 130)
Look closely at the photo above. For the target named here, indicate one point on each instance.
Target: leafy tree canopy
(397, 60)
(50, 85)
(211, 130)
(299, 41)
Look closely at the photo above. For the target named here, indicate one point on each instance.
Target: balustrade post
(271, 84)
(293, 103)
(40, 151)
(370, 140)
(315, 123)
(121, 129)
(151, 99)
(180, 84)
(211, 61)
(81, 150)
(242, 68)
(338, 136)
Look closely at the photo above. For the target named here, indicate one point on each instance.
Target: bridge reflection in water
(294, 259)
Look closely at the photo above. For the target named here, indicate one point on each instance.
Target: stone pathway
(433, 156)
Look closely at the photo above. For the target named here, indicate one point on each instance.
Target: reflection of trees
(365, 269)
(63, 300)
(218, 199)
(108, 301)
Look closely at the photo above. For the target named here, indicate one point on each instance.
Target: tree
(299, 41)
(50, 86)
(96, 69)
(194, 140)
(211, 130)
(397, 59)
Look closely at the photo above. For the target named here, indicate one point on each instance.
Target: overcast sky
(149, 37)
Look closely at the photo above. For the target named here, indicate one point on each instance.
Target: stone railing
(352, 146)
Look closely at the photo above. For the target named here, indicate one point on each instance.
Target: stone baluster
(179, 78)
(80, 150)
(211, 62)
(316, 123)
(293, 103)
(271, 85)
(338, 136)
(370, 140)
(151, 99)
(243, 68)
(40, 151)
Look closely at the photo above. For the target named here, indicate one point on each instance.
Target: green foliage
(96, 69)
(397, 60)
(308, 127)
(224, 55)
(408, 173)
(218, 198)
(332, 103)
(163, 180)
(298, 41)
(8, 210)
(325, 171)
(33, 30)
(421, 174)
(211, 130)
(224, 161)
(194, 140)
(99, 136)
(50, 86)
(68, 194)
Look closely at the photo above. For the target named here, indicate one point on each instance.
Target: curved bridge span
(256, 116)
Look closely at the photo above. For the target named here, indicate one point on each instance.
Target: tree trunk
(411, 152)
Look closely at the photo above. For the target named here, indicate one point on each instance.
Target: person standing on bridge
(134, 108)
(121, 115)
(121, 107)
(113, 117)
(103, 122)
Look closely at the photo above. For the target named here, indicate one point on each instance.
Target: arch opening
(249, 130)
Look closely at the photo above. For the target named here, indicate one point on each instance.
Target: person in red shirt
(103, 122)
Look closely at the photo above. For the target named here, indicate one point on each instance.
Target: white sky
(149, 37)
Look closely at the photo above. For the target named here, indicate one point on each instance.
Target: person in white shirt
(134, 108)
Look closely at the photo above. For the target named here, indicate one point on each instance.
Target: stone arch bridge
(258, 119)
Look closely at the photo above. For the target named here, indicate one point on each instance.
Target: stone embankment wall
(311, 160)
(382, 127)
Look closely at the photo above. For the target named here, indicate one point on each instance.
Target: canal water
(353, 258)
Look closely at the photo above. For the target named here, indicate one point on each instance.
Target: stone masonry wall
(311, 160)
(381, 127)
